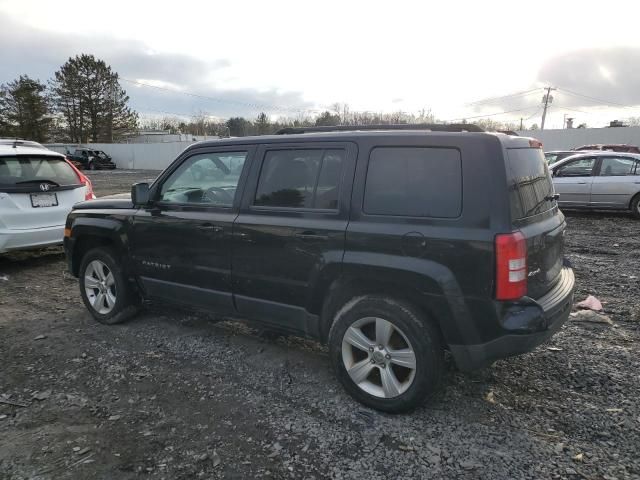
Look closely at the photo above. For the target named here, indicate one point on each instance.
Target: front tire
(635, 206)
(386, 353)
(104, 289)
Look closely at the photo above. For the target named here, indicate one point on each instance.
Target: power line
(492, 114)
(605, 102)
(254, 106)
(572, 110)
(512, 95)
(206, 114)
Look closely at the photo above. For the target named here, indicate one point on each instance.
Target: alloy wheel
(378, 357)
(100, 287)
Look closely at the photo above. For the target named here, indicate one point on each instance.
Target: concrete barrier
(137, 156)
(576, 137)
(157, 156)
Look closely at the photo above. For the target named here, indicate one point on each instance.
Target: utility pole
(546, 99)
(521, 124)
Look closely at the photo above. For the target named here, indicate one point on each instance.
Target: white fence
(139, 156)
(575, 137)
(156, 156)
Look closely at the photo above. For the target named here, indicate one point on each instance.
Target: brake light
(511, 266)
(88, 194)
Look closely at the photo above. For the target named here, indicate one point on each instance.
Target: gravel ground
(173, 395)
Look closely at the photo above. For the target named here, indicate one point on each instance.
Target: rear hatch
(534, 212)
(37, 191)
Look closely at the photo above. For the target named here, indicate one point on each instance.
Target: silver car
(599, 180)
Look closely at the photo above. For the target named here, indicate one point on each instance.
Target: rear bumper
(526, 324)
(33, 238)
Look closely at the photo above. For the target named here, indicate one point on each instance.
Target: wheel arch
(88, 233)
(425, 293)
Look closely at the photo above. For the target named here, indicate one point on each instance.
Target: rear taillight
(511, 266)
(88, 194)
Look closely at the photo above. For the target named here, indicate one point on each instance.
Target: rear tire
(635, 206)
(386, 354)
(105, 291)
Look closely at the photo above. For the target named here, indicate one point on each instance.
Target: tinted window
(617, 166)
(530, 186)
(14, 170)
(208, 179)
(417, 182)
(300, 179)
(576, 168)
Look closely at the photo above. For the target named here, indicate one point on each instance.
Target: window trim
(413, 217)
(633, 170)
(158, 183)
(302, 146)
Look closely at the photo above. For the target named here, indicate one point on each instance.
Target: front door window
(208, 179)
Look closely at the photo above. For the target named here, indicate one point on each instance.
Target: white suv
(38, 188)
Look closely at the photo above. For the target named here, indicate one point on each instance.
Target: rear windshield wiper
(550, 197)
(55, 184)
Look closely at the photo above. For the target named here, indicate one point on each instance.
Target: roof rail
(433, 127)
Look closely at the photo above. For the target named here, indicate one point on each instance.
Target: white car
(38, 188)
(598, 180)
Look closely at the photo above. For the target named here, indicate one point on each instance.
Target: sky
(293, 58)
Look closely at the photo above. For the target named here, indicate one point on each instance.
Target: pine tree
(24, 110)
(87, 93)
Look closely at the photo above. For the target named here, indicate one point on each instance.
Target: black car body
(91, 159)
(459, 230)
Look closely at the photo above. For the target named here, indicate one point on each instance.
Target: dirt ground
(176, 396)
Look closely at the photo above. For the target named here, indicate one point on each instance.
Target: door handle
(309, 235)
(581, 183)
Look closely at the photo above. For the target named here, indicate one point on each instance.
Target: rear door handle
(309, 235)
(581, 183)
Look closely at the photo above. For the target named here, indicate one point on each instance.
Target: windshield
(530, 185)
(19, 170)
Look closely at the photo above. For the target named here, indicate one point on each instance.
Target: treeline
(83, 102)
(262, 124)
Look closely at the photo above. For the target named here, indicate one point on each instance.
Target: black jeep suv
(391, 245)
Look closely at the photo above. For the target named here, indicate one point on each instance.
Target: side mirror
(140, 194)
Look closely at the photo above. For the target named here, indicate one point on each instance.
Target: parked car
(389, 244)
(92, 159)
(615, 147)
(599, 180)
(38, 188)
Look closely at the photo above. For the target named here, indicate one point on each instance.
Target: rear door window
(19, 170)
(416, 182)
(301, 178)
(530, 186)
(617, 167)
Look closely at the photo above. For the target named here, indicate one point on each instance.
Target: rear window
(530, 185)
(416, 182)
(20, 170)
